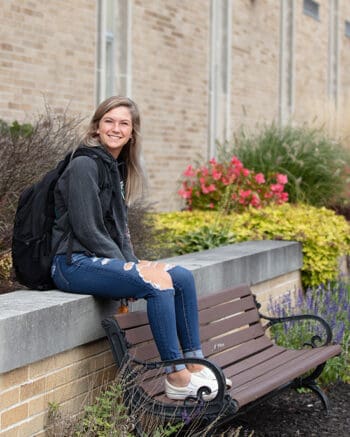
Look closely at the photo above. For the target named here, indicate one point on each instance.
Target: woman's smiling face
(115, 129)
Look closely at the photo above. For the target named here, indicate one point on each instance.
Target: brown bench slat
(275, 378)
(218, 345)
(236, 367)
(140, 334)
(132, 320)
(231, 308)
(260, 367)
(224, 326)
(241, 351)
(145, 352)
(224, 296)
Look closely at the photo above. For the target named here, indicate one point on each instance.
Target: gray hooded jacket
(78, 205)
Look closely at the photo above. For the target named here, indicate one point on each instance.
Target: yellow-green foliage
(325, 237)
(5, 265)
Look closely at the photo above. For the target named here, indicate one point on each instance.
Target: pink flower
(189, 172)
(260, 178)
(245, 172)
(185, 193)
(213, 161)
(276, 188)
(284, 197)
(245, 194)
(211, 205)
(204, 170)
(208, 189)
(255, 201)
(236, 162)
(282, 179)
(216, 174)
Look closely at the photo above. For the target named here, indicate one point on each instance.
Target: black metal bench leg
(324, 399)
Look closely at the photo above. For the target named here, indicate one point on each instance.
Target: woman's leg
(186, 309)
(114, 279)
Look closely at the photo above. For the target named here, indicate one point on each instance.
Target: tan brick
(14, 377)
(32, 426)
(9, 398)
(13, 432)
(14, 415)
(40, 434)
(37, 405)
(41, 367)
(70, 373)
(32, 388)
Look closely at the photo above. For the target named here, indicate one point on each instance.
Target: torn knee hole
(155, 275)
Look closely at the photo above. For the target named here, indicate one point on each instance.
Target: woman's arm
(85, 210)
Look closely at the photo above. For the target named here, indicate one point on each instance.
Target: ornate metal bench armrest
(316, 339)
(219, 375)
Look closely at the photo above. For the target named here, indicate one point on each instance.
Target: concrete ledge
(35, 325)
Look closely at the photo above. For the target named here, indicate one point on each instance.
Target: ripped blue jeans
(172, 312)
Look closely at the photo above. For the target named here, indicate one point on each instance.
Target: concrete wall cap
(36, 324)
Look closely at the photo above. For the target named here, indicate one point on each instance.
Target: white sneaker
(206, 373)
(181, 393)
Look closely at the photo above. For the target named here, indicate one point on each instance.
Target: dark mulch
(300, 414)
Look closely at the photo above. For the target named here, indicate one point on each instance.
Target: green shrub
(15, 130)
(313, 162)
(206, 237)
(106, 417)
(325, 237)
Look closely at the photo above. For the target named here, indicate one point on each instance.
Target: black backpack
(32, 254)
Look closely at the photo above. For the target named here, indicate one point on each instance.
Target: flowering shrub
(229, 186)
(332, 303)
(325, 236)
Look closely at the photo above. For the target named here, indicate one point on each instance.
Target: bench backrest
(228, 320)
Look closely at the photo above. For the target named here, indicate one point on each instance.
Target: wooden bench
(233, 335)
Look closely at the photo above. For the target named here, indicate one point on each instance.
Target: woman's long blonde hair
(131, 152)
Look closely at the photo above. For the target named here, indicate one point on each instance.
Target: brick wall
(48, 49)
(170, 82)
(344, 76)
(311, 62)
(47, 54)
(255, 62)
(70, 378)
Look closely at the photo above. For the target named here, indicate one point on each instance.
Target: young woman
(103, 263)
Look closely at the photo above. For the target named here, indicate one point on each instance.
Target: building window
(347, 28)
(311, 8)
(220, 74)
(113, 50)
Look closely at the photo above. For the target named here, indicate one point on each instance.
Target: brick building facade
(198, 69)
